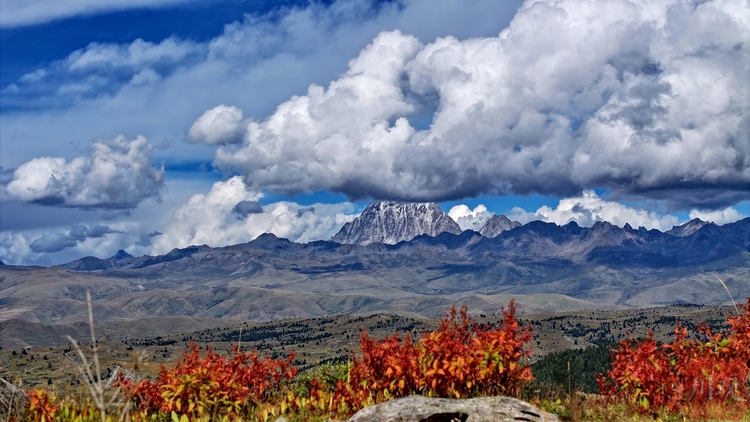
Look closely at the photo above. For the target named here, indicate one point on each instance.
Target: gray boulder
(426, 409)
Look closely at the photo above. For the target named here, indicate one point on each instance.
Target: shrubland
(690, 378)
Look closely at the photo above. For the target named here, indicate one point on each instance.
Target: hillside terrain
(546, 267)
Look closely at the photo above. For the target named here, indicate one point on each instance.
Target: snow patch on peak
(392, 222)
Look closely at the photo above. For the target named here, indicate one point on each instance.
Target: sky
(148, 125)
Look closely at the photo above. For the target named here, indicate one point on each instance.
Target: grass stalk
(98, 389)
(730, 297)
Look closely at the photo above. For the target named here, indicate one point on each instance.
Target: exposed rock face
(484, 409)
(393, 222)
(13, 401)
(688, 228)
(496, 225)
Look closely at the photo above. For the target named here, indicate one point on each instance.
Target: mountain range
(384, 261)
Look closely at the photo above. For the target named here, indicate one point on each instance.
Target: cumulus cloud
(57, 241)
(219, 125)
(15, 13)
(255, 64)
(214, 219)
(115, 174)
(727, 215)
(469, 219)
(646, 99)
(589, 208)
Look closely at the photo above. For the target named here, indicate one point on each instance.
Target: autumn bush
(213, 385)
(458, 360)
(693, 376)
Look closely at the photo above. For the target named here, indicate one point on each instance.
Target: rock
(688, 228)
(426, 409)
(115, 371)
(392, 222)
(496, 225)
(13, 401)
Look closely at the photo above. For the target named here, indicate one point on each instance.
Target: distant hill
(552, 267)
(18, 333)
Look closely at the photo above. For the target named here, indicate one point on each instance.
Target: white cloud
(589, 208)
(14, 247)
(57, 241)
(328, 137)
(61, 245)
(639, 98)
(116, 174)
(212, 219)
(15, 13)
(254, 65)
(219, 125)
(727, 215)
(103, 69)
(469, 219)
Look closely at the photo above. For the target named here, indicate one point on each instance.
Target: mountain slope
(270, 278)
(496, 225)
(393, 222)
(688, 228)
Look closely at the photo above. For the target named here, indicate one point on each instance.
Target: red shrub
(460, 359)
(213, 384)
(688, 374)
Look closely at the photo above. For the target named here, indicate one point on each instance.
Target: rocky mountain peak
(392, 222)
(688, 228)
(498, 224)
(603, 226)
(121, 254)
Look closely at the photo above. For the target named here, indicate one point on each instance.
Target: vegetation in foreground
(688, 379)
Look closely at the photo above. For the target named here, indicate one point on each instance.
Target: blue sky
(153, 124)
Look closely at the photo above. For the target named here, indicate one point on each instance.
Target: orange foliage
(212, 384)
(686, 375)
(41, 406)
(458, 360)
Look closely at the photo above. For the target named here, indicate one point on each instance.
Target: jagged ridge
(496, 225)
(393, 222)
(688, 228)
